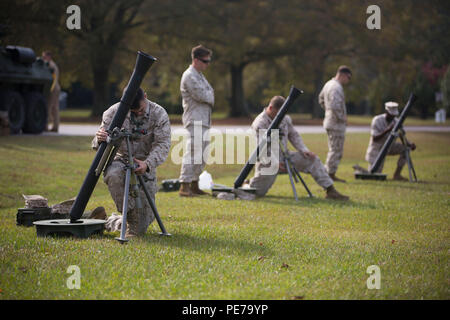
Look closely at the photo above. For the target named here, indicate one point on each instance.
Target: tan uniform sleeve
(106, 120)
(375, 129)
(337, 104)
(322, 99)
(294, 137)
(161, 142)
(198, 91)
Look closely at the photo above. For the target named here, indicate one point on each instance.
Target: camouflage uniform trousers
(336, 139)
(396, 148)
(53, 108)
(313, 166)
(194, 160)
(137, 222)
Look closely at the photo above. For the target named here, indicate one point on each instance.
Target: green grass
(235, 249)
(80, 114)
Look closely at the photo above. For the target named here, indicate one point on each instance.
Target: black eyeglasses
(204, 61)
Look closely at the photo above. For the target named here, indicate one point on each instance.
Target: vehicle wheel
(36, 115)
(13, 102)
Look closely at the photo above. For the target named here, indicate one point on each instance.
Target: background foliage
(260, 47)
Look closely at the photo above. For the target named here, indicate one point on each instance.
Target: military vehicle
(25, 83)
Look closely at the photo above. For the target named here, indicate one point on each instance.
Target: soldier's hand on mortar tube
(413, 146)
(309, 154)
(142, 166)
(282, 168)
(102, 135)
(391, 126)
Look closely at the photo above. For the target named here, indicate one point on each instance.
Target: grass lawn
(270, 248)
(83, 115)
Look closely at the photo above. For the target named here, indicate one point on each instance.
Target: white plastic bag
(205, 181)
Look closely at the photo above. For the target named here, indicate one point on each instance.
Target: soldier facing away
(198, 101)
(332, 100)
(302, 159)
(380, 128)
(150, 149)
(55, 89)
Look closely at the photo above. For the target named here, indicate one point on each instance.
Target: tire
(36, 115)
(13, 102)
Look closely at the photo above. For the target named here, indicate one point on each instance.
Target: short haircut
(200, 52)
(344, 69)
(139, 96)
(277, 102)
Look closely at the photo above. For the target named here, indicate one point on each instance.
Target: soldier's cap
(392, 108)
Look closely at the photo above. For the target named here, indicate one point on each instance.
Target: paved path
(89, 129)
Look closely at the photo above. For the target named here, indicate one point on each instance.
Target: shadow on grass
(311, 202)
(397, 184)
(207, 243)
(46, 143)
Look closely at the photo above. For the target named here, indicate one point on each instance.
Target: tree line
(260, 48)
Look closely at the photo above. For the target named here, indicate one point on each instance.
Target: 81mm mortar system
(373, 175)
(293, 94)
(143, 64)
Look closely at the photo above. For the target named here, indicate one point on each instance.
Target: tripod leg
(303, 182)
(411, 166)
(123, 230)
(153, 206)
(286, 163)
(408, 161)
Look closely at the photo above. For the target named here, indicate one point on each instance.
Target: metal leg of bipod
(304, 184)
(286, 163)
(412, 171)
(123, 230)
(153, 206)
(409, 165)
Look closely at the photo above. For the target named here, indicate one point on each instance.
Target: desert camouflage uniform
(53, 99)
(379, 124)
(313, 166)
(152, 147)
(332, 100)
(198, 100)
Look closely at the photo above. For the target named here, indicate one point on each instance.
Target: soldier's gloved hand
(413, 146)
(102, 135)
(142, 166)
(309, 154)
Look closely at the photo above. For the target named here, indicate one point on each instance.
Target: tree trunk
(238, 107)
(101, 89)
(101, 61)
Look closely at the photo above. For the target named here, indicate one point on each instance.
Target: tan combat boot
(98, 213)
(397, 176)
(336, 179)
(185, 190)
(333, 194)
(195, 189)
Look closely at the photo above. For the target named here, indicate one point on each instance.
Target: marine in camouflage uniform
(152, 147)
(379, 131)
(55, 89)
(332, 100)
(302, 159)
(198, 101)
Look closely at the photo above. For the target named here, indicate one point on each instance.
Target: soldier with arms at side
(55, 89)
(332, 100)
(198, 101)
